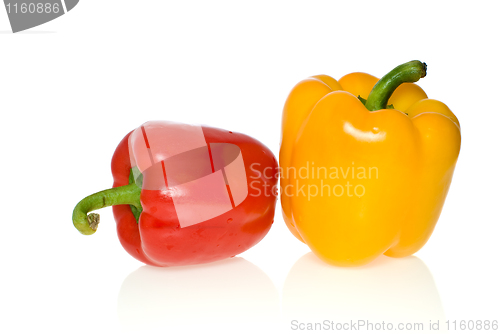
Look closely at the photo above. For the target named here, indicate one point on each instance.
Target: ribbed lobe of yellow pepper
(402, 166)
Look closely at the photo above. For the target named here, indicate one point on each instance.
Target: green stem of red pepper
(411, 71)
(87, 223)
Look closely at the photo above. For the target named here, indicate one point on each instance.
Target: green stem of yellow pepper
(411, 71)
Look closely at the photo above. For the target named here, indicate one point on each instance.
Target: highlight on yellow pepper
(365, 164)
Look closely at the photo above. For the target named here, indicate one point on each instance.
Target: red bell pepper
(186, 194)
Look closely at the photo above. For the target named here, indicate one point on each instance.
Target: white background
(72, 88)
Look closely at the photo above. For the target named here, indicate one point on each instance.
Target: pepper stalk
(87, 223)
(411, 71)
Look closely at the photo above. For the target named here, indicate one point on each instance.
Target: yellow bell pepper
(365, 164)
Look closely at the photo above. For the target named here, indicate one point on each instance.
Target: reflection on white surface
(389, 290)
(228, 293)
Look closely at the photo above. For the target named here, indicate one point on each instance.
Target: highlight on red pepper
(186, 194)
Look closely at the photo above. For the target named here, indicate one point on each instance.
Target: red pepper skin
(159, 240)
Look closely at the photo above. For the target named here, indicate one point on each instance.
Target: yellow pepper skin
(358, 181)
